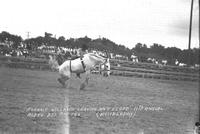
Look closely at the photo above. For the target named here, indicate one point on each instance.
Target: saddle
(74, 57)
(83, 64)
(81, 58)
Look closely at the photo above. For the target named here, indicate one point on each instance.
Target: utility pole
(190, 33)
(190, 28)
(28, 35)
(199, 54)
(199, 23)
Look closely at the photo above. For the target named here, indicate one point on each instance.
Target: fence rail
(128, 69)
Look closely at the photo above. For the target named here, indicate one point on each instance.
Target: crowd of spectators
(43, 51)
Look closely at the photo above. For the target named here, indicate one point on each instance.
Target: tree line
(171, 54)
(143, 52)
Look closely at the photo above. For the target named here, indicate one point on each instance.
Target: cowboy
(83, 50)
(60, 58)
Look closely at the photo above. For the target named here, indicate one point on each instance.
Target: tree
(194, 53)
(171, 54)
(61, 41)
(5, 36)
(141, 51)
(140, 48)
(157, 50)
(16, 41)
(47, 35)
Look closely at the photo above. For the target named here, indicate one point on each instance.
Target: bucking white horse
(80, 65)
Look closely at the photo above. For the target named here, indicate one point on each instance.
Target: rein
(83, 64)
(70, 66)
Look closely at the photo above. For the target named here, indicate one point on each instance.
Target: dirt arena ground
(34, 102)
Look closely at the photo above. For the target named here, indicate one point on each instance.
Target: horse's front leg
(64, 77)
(62, 80)
(87, 77)
(87, 80)
(83, 85)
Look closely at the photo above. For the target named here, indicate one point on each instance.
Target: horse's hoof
(82, 87)
(61, 82)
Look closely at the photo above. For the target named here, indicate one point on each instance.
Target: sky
(124, 22)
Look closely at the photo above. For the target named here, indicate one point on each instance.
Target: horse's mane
(96, 55)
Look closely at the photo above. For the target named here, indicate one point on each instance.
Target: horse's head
(106, 65)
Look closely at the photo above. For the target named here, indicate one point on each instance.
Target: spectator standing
(83, 50)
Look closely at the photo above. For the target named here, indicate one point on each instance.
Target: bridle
(105, 66)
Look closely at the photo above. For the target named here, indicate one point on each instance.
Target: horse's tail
(53, 63)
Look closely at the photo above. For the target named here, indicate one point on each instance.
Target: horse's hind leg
(83, 85)
(63, 79)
